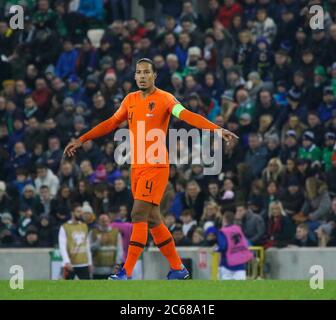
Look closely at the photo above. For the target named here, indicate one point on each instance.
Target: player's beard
(144, 89)
(78, 219)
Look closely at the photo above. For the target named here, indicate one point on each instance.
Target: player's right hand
(71, 148)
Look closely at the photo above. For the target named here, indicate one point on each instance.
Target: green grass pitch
(168, 290)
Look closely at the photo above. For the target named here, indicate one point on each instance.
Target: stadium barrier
(254, 269)
(296, 263)
(286, 263)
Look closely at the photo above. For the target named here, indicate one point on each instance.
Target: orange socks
(137, 243)
(165, 242)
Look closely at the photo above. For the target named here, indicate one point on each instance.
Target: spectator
(280, 227)
(45, 199)
(323, 237)
(64, 119)
(193, 199)
(328, 150)
(228, 11)
(292, 198)
(46, 177)
(121, 194)
(45, 232)
(264, 26)
(54, 154)
(256, 155)
(66, 64)
(74, 89)
(26, 220)
(327, 106)
(7, 224)
(317, 202)
(252, 224)
(68, 175)
(273, 172)
(42, 95)
(331, 176)
(188, 223)
(30, 199)
(211, 236)
(60, 206)
(20, 159)
(290, 147)
(309, 150)
(180, 239)
(31, 238)
(302, 237)
(228, 198)
(86, 60)
(170, 221)
(197, 238)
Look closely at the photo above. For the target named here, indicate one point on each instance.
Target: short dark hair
(75, 205)
(147, 61)
(41, 165)
(229, 216)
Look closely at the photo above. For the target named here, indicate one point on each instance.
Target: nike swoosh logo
(145, 195)
(131, 107)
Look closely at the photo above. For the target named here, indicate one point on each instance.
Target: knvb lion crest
(151, 106)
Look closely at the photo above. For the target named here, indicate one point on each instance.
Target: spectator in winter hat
(290, 146)
(315, 125)
(100, 173)
(292, 198)
(79, 126)
(31, 238)
(6, 220)
(327, 106)
(294, 106)
(309, 150)
(88, 215)
(75, 91)
(64, 119)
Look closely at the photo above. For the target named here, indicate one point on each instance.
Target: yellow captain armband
(177, 109)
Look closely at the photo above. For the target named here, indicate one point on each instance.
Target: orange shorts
(149, 183)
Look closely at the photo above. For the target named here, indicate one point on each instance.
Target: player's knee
(152, 223)
(138, 216)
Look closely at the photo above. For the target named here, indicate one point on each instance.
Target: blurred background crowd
(254, 67)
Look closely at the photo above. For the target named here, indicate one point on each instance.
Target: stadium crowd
(254, 67)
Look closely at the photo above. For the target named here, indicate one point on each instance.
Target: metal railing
(254, 268)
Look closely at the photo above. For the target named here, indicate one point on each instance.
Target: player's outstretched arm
(100, 130)
(200, 122)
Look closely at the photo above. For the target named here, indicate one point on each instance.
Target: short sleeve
(171, 101)
(121, 113)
